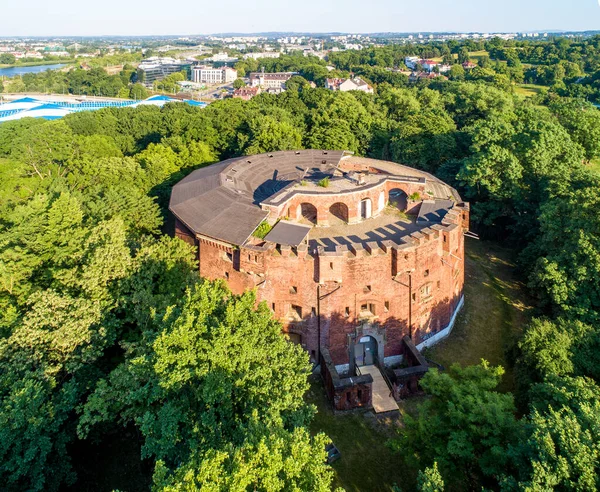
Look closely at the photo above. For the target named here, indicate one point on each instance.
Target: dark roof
(434, 210)
(222, 201)
(288, 233)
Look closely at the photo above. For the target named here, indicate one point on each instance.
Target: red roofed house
(246, 93)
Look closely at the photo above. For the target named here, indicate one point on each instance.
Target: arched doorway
(366, 208)
(399, 199)
(365, 351)
(338, 211)
(308, 212)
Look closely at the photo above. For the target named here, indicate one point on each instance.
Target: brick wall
(299, 285)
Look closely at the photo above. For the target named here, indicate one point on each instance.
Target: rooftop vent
(249, 162)
(323, 161)
(270, 155)
(297, 152)
(324, 152)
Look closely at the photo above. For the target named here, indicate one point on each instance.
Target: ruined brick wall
(352, 286)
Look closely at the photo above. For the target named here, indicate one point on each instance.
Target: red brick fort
(361, 252)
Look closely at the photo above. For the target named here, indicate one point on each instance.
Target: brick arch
(340, 211)
(308, 211)
(398, 198)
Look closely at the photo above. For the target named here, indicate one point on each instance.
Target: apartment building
(203, 74)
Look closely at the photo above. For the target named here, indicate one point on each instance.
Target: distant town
(211, 67)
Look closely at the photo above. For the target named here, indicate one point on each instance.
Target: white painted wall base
(440, 335)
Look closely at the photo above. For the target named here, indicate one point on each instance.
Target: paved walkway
(382, 401)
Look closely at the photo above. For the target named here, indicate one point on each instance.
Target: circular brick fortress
(362, 252)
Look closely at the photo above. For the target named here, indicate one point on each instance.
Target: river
(14, 71)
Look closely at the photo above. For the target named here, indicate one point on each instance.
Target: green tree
(466, 426)
(7, 59)
(582, 120)
(45, 149)
(278, 462)
(268, 134)
(457, 72)
(138, 92)
(210, 391)
(430, 480)
(463, 55)
(238, 83)
(565, 273)
(560, 449)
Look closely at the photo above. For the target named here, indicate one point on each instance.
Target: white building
(202, 74)
(344, 85)
(411, 61)
(264, 54)
(267, 80)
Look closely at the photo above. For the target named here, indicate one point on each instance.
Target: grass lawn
(595, 165)
(528, 90)
(366, 462)
(475, 56)
(495, 312)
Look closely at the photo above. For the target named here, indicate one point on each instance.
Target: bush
(262, 230)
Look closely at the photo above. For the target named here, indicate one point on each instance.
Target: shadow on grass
(366, 462)
(496, 310)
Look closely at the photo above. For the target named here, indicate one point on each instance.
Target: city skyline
(70, 18)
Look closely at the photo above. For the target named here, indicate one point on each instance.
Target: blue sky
(154, 17)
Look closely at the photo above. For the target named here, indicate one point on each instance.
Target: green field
(496, 309)
(475, 56)
(528, 90)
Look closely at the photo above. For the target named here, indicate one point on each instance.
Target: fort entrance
(365, 351)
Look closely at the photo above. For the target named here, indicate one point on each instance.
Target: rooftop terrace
(391, 224)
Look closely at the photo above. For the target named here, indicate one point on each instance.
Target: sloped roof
(223, 200)
(288, 233)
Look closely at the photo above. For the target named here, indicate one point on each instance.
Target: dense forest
(105, 326)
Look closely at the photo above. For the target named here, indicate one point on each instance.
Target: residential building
(411, 61)
(275, 80)
(210, 75)
(415, 76)
(263, 54)
(344, 85)
(246, 93)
